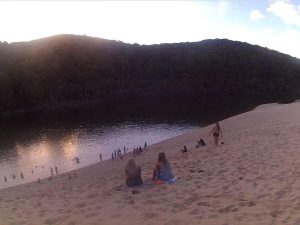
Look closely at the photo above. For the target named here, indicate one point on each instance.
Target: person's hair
(162, 158)
(131, 167)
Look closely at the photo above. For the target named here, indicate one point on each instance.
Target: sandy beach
(251, 179)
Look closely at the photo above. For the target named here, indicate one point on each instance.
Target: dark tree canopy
(70, 70)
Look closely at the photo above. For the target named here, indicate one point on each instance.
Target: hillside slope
(69, 70)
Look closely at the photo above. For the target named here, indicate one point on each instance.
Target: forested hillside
(70, 70)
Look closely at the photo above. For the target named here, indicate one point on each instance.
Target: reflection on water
(35, 150)
(69, 145)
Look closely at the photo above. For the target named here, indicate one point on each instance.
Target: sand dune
(251, 179)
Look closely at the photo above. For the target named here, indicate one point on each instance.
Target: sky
(274, 24)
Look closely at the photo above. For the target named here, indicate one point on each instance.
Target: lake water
(33, 150)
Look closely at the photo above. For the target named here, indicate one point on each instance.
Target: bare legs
(216, 139)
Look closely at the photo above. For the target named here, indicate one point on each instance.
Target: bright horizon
(274, 24)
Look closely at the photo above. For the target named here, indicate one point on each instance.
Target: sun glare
(152, 22)
(149, 22)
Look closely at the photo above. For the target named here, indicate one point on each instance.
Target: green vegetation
(68, 70)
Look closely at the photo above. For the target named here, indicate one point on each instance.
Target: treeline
(69, 70)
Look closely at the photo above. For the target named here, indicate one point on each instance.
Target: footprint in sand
(68, 210)
(79, 212)
(115, 215)
(297, 207)
(203, 204)
(199, 217)
(175, 222)
(94, 223)
(131, 202)
(213, 216)
(43, 212)
(194, 212)
(92, 195)
(71, 223)
(228, 209)
(247, 204)
(80, 205)
(149, 215)
(178, 207)
(51, 221)
(18, 223)
(225, 188)
(91, 215)
(151, 201)
(280, 194)
(239, 218)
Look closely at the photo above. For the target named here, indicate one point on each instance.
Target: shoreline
(88, 168)
(248, 180)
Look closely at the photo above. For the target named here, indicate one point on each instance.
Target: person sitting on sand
(162, 170)
(184, 149)
(202, 142)
(133, 174)
(216, 133)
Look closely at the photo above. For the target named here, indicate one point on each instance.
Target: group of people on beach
(118, 153)
(162, 170)
(139, 150)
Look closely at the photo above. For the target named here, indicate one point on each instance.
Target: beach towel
(157, 181)
(171, 181)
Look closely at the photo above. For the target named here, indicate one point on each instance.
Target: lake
(34, 150)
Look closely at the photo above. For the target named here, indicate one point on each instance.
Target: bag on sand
(173, 180)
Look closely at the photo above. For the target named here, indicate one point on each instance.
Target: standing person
(100, 157)
(133, 174)
(112, 156)
(51, 172)
(216, 132)
(145, 145)
(77, 159)
(162, 169)
(56, 170)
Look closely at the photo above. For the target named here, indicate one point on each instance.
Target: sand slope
(251, 179)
